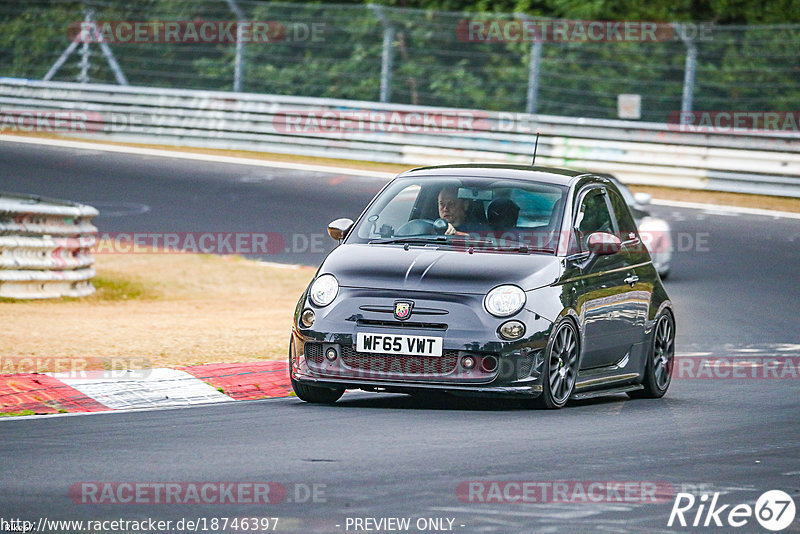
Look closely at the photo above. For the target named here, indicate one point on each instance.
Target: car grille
(398, 364)
(525, 364)
(313, 352)
(403, 324)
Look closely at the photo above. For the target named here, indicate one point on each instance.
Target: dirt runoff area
(160, 310)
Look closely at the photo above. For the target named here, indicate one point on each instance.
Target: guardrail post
(86, 54)
(88, 23)
(688, 75)
(60, 61)
(238, 62)
(534, 63)
(533, 77)
(386, 53)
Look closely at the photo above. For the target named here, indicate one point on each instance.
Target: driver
(452, 209)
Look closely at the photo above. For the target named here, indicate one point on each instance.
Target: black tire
(658, 370)
(560, 367)
(316, 395)
(312, 394)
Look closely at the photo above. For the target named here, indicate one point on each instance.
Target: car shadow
(427, 401)
(445, 402)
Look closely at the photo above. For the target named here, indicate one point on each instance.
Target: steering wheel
(422, 227)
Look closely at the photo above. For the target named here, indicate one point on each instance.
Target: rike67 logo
(774, 510)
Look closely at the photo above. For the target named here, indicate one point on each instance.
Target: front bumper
(502, 368)
(519, 391)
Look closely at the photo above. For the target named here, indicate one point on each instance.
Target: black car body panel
(436, 269)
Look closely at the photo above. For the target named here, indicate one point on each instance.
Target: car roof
(550, 175)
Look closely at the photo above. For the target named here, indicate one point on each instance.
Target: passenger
(502, 214)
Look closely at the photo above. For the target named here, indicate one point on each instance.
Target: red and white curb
(97, 391)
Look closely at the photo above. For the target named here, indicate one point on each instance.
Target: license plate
(399, 344)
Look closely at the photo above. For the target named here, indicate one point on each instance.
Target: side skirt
(603, 392)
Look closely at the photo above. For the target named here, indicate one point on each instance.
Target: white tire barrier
(45, 247)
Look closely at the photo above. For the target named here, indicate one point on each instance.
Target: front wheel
(658, 371)
(312, 394)
(560, 369)
(316, 395)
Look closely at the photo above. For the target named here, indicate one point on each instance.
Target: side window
(593, 216)
(627, 226)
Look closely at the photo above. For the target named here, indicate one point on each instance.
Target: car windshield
(479, 213)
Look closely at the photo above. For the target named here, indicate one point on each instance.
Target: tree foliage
(743, 68)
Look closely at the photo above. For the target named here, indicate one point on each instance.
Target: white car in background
(655, 232)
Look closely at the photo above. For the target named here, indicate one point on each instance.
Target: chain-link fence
(502, 62)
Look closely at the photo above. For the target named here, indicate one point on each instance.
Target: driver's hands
(451, 230)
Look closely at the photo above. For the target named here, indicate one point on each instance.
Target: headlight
(324, 290)
(503, 301)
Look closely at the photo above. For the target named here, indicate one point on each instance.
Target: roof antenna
(535, 147)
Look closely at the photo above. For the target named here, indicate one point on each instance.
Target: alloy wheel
(663, 351)
(563, 364)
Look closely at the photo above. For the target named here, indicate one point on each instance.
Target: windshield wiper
(460, 241)
(492, 245)
(410, 240)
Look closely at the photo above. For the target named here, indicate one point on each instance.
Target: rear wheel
(312, 394)
(658, 371)
(560, 369)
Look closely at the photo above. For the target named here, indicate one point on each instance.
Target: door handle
(631, 280)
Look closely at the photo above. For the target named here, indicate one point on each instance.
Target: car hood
(437, 269)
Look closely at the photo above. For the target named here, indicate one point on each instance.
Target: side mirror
(338, 229)
(643, 199)
(602, 244)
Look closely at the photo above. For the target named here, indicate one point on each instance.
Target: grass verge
(163, 309)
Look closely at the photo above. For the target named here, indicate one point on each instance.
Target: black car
(493, 280)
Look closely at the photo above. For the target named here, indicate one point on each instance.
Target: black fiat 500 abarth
(492, 280)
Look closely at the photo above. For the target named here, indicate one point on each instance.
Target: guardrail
(45, 247)
(637, 152)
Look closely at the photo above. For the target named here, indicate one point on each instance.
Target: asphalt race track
(736, 293)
